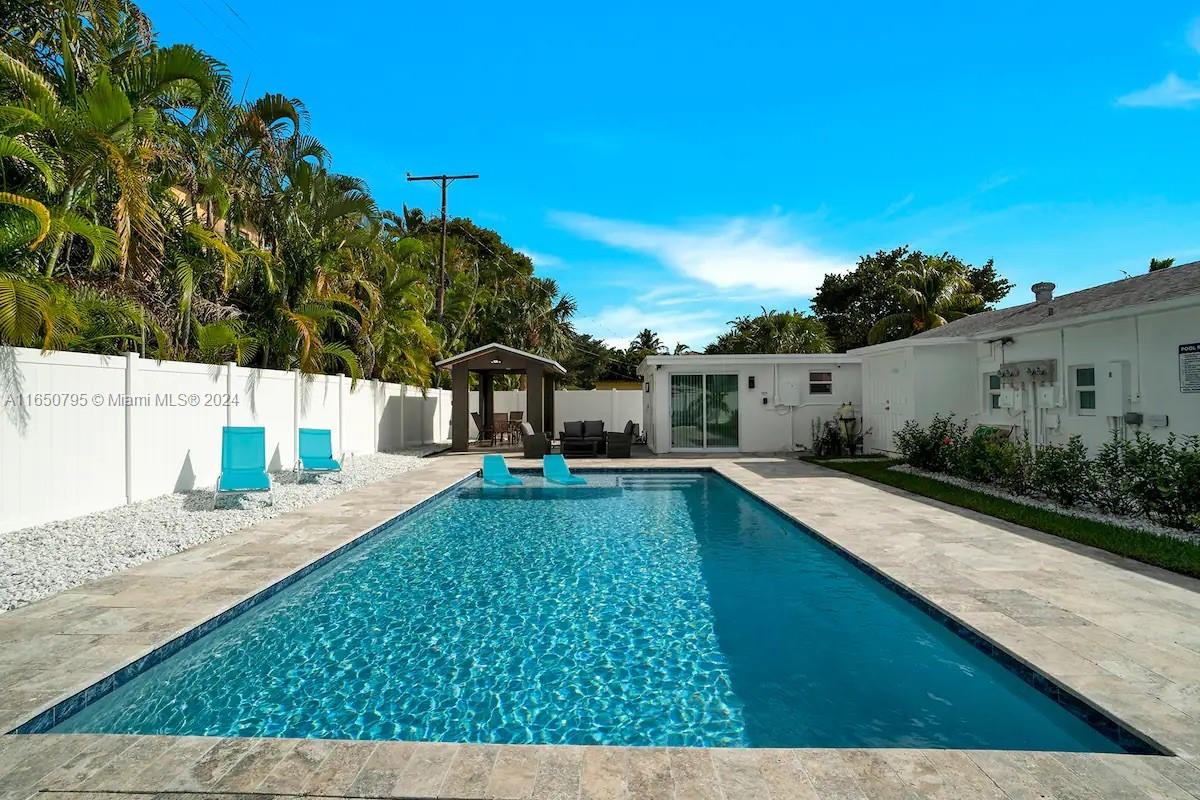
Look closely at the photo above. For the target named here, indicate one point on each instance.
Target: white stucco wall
(761, 428)
(917, 381)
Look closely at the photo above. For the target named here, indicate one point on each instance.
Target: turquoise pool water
(640, 610)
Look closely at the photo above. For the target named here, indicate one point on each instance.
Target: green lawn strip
(1161, 551)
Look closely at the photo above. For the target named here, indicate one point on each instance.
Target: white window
(820, 383)
(992, 393)
(1083, 381)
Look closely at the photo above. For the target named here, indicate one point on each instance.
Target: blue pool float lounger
(555, 470)
(495, 472)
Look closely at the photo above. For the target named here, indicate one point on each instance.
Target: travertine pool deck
(1123, 635)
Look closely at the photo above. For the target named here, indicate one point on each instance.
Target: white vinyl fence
(82, 433)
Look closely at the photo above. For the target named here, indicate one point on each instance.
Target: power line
(233, 11)
(445, 180)
(550, 296)
(225, 22)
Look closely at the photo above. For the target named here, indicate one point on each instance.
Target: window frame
(991, 394)
(1078, 390)
(826, 383)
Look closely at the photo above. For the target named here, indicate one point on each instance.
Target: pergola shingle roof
(496, 357)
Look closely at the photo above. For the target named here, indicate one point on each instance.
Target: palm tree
(932, 293)
(774, 332)
(682, 349)
(647, 343)
(141, 208)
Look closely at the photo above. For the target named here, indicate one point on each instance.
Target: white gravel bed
(46, 559)
(1134, 523)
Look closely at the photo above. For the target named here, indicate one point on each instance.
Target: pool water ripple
(679, 612)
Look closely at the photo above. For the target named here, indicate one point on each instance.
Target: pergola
(488, 361)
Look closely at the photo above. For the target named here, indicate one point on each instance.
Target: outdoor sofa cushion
(593, 429)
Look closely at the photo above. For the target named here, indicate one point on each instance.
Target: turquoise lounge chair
(495, 472)
(243, 463)
(555, 470)
(316, 452)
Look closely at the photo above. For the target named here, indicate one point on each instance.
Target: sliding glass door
(720, 410)
(687, 411)
(704, 412)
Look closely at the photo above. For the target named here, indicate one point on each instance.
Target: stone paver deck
(1118, 633)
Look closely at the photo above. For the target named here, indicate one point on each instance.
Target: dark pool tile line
(54, 715)
(577, 467)
(1114, 730)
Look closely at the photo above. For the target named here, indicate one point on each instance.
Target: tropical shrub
(1165, 477)
(1063, 473)
(1112, 491)
(1014, 465)
(1143, 476)
(934, 448)
(986, 457)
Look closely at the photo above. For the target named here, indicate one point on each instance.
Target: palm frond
(15, 148)
(27, 80)
(102, 241)
(24, 309)
(34, 207)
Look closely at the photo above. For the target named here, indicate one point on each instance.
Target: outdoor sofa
(583, 438)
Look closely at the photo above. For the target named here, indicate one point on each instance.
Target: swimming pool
(648, 608)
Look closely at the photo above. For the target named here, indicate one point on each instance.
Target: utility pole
(445, 180)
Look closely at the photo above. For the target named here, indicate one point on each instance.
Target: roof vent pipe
(1043, 292)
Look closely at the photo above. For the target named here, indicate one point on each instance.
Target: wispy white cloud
(545, 260)
(619, 324)
(996, 181)
(899, 205)
(1171, 92)
(764, 254)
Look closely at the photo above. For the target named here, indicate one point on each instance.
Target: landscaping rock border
(42, 560)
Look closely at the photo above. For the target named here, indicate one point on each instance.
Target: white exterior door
(887, 397)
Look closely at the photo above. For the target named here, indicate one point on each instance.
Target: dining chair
(499, 427)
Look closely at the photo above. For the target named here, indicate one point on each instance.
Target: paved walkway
(1120, 634)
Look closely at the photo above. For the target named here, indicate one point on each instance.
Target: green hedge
(1172, 554)
(1142, 476)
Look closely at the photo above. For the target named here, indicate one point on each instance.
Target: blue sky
(675, 166)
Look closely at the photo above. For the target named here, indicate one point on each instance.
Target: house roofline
(1157, 306)
(751, 358)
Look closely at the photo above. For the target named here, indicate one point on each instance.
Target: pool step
(658, 482)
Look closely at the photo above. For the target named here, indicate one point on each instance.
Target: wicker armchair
(535, 444)
(620, 444)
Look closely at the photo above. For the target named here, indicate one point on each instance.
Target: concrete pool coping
(1118, 633)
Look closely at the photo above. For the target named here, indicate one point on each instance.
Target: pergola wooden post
(487, 362)
(460, 397)
(548, 407)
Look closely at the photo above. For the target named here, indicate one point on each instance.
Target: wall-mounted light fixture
(647, 387)
(751, 381)
(496, 361)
